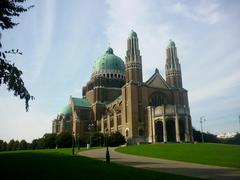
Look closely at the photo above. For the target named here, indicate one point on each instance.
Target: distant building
(117, 99)
(227, 135)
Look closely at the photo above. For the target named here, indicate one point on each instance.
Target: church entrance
(171, 131)
(182, 129)
(158, 131)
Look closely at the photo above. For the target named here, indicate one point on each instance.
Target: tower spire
(133, 59)
(173, 67)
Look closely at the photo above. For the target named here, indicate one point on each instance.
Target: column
(115, 121)
(177, 127)
(149, 117)
(102, 125)
(191, 130)
(153, 126)
(108, 123)
(164, 130)
(187, 137)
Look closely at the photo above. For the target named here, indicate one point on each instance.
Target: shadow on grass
(59, 164)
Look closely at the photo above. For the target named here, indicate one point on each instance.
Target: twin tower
(134, 62)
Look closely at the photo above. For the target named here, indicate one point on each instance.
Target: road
(168, 166)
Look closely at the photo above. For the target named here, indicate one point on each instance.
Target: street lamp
(78, 142)
(107, 151)
(90, 128)
(202, 120)
(73, 143)
(239, 121)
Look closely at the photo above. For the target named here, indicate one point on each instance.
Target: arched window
(157, 99)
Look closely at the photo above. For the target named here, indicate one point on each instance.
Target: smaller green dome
(171, 43)
(132, 34)
(67, 110)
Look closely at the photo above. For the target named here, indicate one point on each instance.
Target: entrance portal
(158, 131)
(171, 131)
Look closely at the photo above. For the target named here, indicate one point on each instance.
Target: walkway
(168, 166)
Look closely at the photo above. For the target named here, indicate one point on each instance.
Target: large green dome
(109, 63)
(67, 110)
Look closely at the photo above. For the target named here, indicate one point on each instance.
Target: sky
(61, 41)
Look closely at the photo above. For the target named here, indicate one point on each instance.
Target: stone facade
(117, 99)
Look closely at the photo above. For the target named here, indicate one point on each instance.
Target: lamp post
(107, 150)
(90, 128)
(73, 143)
(239, 121)
(202, 120)
(78, 142)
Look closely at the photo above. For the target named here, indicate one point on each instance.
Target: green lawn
(213, 154)
(60, 164)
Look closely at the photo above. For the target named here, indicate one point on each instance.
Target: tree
(116, 139)
(17, 145)
(23, 145)
(40, 143)
(9, 73)
(208, 137)
(64, 140)
(4, 146)
(49, 140)
(34, 144)
(11, 145)
(98, 139)
(232, 140)
(1, 145)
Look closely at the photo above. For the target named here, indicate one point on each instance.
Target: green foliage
(212, 154)
(10, 9)
(23, 145)
(116, 139)
(208, 137)
(34, 144)
(233, 140)
(97, 139)
(50, 140)
(64, 140)
(60, 164)
(11, 145)
(9, 73)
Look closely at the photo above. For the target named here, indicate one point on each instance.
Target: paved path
(169, 166)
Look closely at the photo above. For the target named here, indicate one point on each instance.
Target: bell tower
(133, 59)
(173, 67)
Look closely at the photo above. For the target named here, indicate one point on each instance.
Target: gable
(157, 81)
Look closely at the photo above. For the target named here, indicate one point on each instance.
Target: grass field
(212, 154)
(60, 164)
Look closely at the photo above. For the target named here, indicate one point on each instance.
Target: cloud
(215, 89)
(43, 38)
(200, 11)
(152, 30)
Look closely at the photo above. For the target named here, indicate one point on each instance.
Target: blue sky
(62, 39)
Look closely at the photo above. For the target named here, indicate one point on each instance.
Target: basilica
(116, 99)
